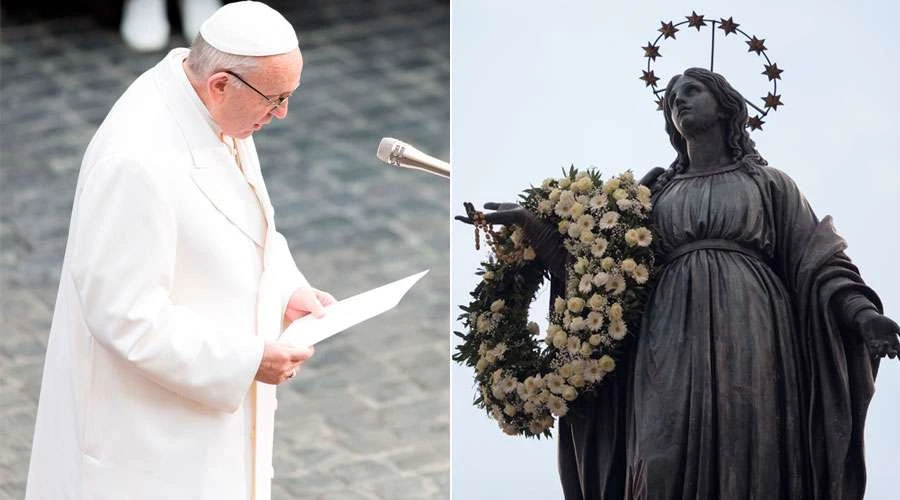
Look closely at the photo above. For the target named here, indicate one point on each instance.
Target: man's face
(693, 107)
(241, 110)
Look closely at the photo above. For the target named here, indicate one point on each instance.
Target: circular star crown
(728, 26)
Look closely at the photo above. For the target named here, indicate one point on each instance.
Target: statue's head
(700, 99)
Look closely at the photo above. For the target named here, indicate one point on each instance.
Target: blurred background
(368, 416)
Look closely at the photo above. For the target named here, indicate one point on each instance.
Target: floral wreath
(524, 382)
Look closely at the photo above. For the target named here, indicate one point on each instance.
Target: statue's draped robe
(744, 381)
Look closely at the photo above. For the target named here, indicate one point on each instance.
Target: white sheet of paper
(309, 330)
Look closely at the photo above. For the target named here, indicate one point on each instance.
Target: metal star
(756, 45)
(755, 123)
(772, 71)
(773, 101)
(728, 26)
(668, 30)
(695, 20)
(651, 51)
(659, 104)
(649, 78)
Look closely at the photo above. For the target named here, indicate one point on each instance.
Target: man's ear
(215, 86)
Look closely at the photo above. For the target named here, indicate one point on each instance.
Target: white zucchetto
(249, 29)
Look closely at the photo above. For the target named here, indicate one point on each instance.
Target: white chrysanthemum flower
(586, 237)
(615, 312)
(555, 194)
(563, 227)
(489, 356)
(592, 372)
(628, 265)
(575, 304)
(564, 205)
(607, 363)
(481, 365)
(627, 176)
(497, 305)
(497, 391)
(499, 350)
(583, 185)
(559, 305)
(631, 237)
(617, 329)
(595, 339)
(555, 383)
(600, 279)
(598, 201)
(581, 265)
(510, 410)
(616, 284)
(641, 274)
(585, 222)
(483, 325)
(643, 194)
(535, 427)
(557, 406)
(545, 207)
(529, 408)
(620, 194)
(625, 205)
(574, 231)
(577, 210)
(608, 220)
(598, 247)
(569, 393)
(509, 429)
(644, 237)
(611, 185)
(509, 384)
(577, 380)
(565, 182)
(574, 344)
(607, 263)
(583, 199)
(586, 349)
(533, 384)
(565, 371)
(560, 340)
(594, 321)
(597, 302)
(576, 325)
(585, 286)
(546, 183)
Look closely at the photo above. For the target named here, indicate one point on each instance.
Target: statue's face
(693, 107)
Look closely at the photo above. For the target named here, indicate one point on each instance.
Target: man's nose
(281, 111)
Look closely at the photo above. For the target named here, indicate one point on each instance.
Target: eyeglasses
(275, 102)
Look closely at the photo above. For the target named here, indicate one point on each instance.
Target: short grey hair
(205, 60)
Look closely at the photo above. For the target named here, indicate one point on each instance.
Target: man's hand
(280, 362)
(307, 300)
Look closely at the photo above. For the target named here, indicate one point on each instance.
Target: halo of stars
(729, 27)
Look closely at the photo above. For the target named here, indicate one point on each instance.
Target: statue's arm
(859, 314)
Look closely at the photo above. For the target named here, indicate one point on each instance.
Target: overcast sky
(540, 85)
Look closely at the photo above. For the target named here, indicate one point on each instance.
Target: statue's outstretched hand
(543, 235)
(880, 333)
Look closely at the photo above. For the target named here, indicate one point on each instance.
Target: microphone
(400, 154)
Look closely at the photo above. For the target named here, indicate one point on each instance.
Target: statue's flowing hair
(737, 138)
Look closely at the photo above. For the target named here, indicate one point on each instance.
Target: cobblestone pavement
(368, 417)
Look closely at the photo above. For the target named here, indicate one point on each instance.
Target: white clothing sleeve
(123, 264)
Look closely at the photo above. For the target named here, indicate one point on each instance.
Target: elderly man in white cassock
(162, 361)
